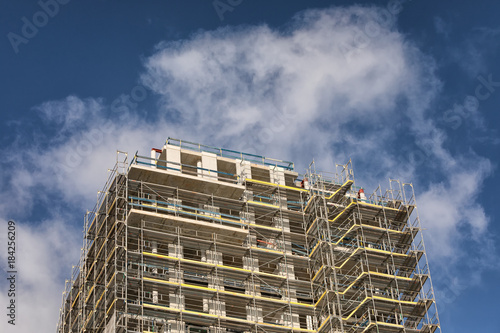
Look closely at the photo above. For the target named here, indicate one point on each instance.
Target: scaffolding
(200, 239)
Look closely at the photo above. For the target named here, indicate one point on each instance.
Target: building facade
(199, 239)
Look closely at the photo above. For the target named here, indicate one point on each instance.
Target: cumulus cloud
(442, 26)
(44, 256)
(265, 86)
(333, 84)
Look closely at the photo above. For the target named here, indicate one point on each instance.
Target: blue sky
(406, 89)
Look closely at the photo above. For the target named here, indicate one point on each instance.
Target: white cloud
(44, 256)
(450, 206)
(70, 112)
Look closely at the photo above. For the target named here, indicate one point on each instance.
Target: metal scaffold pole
(193, 239)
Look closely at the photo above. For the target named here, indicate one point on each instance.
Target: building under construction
(200, 239)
